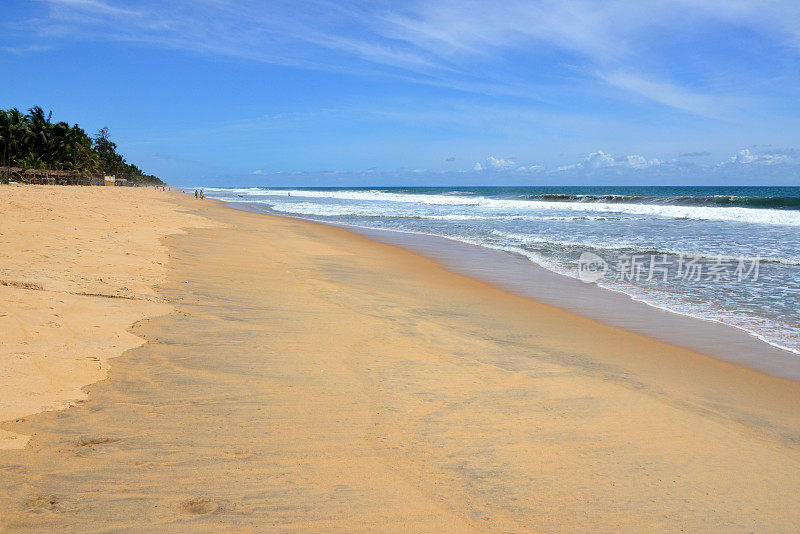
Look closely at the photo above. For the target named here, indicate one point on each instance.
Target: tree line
(33, 141)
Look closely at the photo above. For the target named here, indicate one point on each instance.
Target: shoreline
(523, 277)
(310, 377)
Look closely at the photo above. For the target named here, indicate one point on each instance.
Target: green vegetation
(33, 141)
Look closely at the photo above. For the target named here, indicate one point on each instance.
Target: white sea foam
(766, 330)
(374, 196)
(710, 213)
(400, 212)
(249, 190)
(625, 245)
(742, 215)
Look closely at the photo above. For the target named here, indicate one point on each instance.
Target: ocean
(725, 254)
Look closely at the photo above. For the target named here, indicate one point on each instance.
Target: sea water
(728, 254)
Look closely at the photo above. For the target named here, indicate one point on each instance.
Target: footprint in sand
(42, 503)
(91, 442)
(237, 454)
(83, 445)
(200, 507)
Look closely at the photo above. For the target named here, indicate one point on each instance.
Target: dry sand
(304, 377)
(77, 268)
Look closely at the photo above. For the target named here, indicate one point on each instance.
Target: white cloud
(500, 163)
(495, 163)
(600, 160)
(597, 160)
(667, 94)
(639, 162)
(258, 171)
(744, 157)
(747, 157)
(95, 6)
(774, 159)
(530, 168)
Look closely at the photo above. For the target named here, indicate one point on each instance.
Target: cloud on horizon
(600, 162)
(599, 159)
(495, 163)
(748, 157)
(746, 167)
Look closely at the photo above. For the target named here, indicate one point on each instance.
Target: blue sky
(223, 92)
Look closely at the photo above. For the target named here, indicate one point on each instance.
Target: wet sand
(308, 378)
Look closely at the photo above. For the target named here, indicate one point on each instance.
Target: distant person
(201, 195)
(195, 193)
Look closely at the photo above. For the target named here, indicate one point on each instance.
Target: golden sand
(296, 376)
(77, 268)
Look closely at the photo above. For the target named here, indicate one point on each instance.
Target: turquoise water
(729, 254)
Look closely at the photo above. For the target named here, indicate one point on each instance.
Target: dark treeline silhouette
(33, 141)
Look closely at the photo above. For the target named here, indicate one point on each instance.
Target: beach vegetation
(33, 141)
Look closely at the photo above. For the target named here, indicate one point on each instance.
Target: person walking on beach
(201, 195)
(195, 193)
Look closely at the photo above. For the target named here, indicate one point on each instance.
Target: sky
(436, 92)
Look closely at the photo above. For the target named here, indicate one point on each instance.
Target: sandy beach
(173, 363)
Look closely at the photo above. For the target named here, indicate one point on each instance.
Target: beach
(175, 363)
(78, 268)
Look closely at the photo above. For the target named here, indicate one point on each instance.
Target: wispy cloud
(669, 95)
(95, 6)
(464, 45)
(27, 49)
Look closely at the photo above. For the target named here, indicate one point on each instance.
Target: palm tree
(38, 131)
(58, 144)
(19, 123)
(32, 140)
(81, 157)
(32, 161)
(12, 131)
(5, 136)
